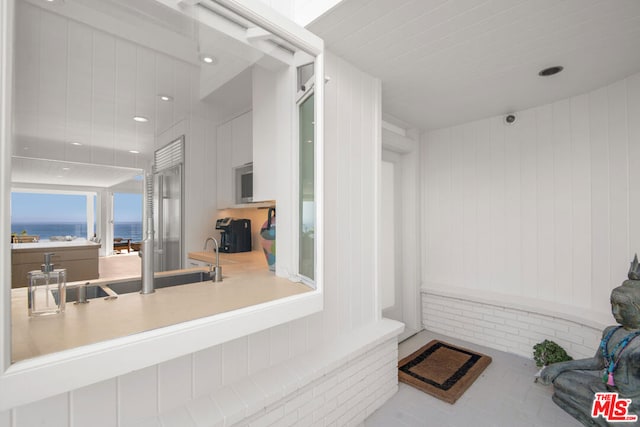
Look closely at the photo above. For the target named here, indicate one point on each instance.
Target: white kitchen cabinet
(242, 140)
(234, 148)
(271, 108)
(224, 171)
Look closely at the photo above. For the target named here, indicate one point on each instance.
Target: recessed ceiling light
(165, 98)
(66, 169)
(77, 144)
(208, 59)
(550, 71)
(140, 119)
(134, 151)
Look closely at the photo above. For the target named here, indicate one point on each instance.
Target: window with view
(47, 215)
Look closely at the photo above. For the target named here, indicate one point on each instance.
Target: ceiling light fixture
(77, 144)
(208, 59)
(134, 151)
(140, 119)
(165, 98)
(551, 71)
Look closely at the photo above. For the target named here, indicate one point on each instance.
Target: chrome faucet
(214, 272)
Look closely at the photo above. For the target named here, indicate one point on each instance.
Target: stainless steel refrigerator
(168, 206)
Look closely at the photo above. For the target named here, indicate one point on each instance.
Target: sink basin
(135, 285)
(160, 282)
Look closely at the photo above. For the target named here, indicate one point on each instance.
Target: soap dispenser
(47, 289)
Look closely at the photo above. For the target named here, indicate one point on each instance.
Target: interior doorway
(399, 252)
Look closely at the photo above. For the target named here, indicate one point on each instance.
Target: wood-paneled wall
(547, 208)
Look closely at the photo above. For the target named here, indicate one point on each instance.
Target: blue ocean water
(126, 230)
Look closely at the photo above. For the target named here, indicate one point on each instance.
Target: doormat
(442, 370)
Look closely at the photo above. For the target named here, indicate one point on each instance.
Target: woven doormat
(442, 370)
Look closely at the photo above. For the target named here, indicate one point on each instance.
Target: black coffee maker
(235, 235)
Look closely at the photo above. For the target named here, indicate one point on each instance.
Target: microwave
(244, 183)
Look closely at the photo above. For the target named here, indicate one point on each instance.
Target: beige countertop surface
(245, 282)
(53, 244)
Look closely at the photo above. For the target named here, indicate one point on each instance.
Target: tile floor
(503, 396)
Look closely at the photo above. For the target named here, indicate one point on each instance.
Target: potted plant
(548, 352)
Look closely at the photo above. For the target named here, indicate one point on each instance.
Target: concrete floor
(503, 396)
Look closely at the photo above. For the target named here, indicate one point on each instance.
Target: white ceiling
(48, 172)
(85, 68)
(445, 62)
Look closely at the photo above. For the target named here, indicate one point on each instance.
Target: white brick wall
(338, 384)
(343, 396)
(507, 329)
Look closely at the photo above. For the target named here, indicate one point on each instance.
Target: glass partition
(307, 186)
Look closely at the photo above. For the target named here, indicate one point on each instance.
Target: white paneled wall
(545, 209)
(352, 155)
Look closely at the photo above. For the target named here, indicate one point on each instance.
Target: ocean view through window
(127, 216)
(47, 215)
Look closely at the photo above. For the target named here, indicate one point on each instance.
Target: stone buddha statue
(615, 366)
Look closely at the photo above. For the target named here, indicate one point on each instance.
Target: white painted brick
(269, 419)
(305, 421)
(485, 324)
(534, 335)
(519, 339)
(298, 401)
(464, 332)
(586, 333)
(556, 324)
(288, 420)
(529, 318)
(519, 324)
(335, 391)
(483, 309)
(493, 319)
(569, 338)
(357, 377)
(512, 330)
(580, 351)
(472, 315)
(325, 385)
(311, 406)
(508, 315)
(545, 331)
(328, 407)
